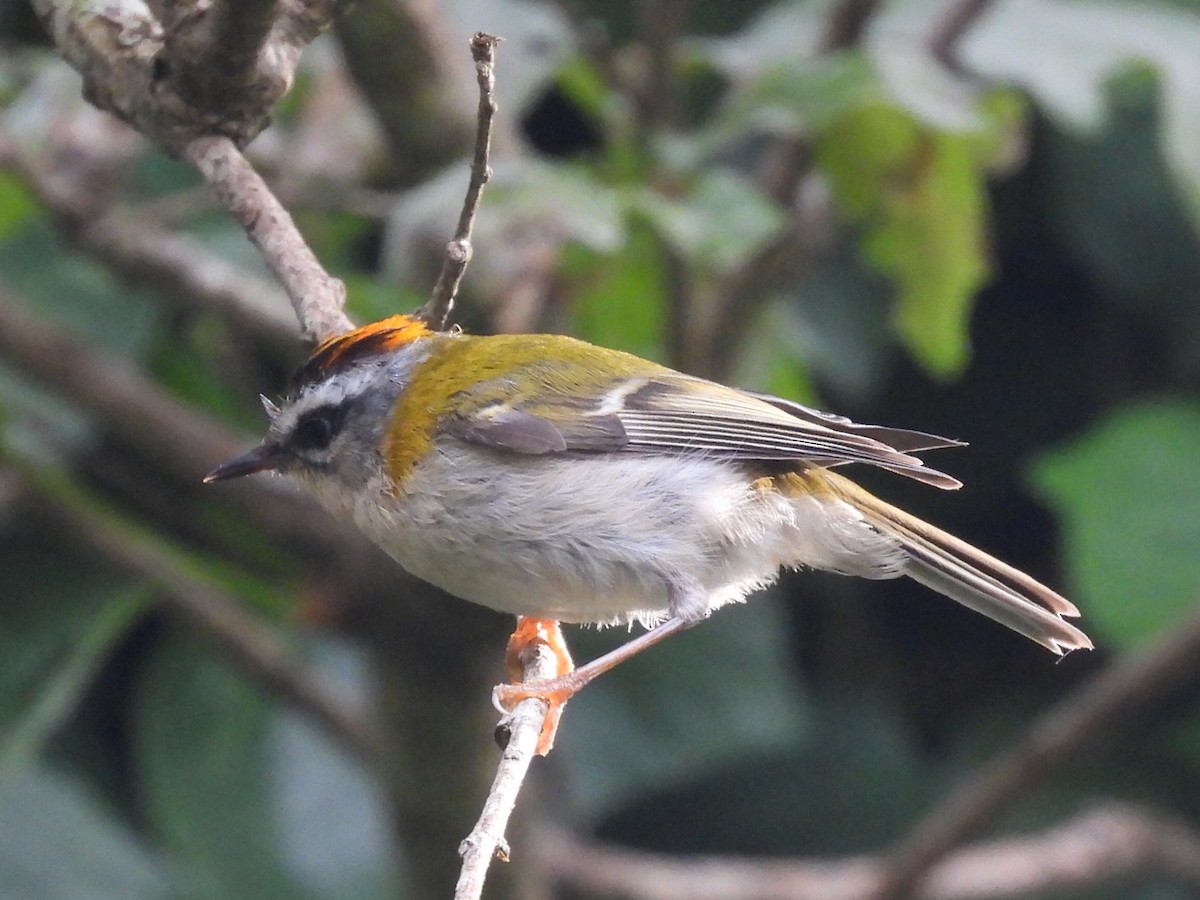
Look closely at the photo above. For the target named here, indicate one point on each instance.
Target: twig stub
(436, 311)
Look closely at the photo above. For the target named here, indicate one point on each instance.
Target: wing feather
(902, 439)
(668, 412)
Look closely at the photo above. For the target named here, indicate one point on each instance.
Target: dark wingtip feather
(903, 439)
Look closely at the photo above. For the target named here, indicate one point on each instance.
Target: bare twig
(1089, 850)
(250, 643)
(958, 18)
(436, 311)
(522, 728)
(169, 84)
(1135, 681)
(316, 296)
(143, 252)
(848, 20)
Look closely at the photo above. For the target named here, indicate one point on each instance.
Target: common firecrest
(546, 477)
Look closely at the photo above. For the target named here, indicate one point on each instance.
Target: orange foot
(529, 634)
(568, 680)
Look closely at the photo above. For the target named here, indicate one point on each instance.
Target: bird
(564, 482)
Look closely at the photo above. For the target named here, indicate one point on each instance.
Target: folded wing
(668, 412)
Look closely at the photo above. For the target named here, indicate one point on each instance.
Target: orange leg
(529, 633)
(568, 680)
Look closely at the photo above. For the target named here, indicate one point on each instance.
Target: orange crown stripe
(369, 340)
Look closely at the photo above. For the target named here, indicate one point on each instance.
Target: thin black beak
(262, 458)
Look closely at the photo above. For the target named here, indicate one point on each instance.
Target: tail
(976, 580)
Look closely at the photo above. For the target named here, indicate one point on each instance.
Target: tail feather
(964, 583)
(975, 579)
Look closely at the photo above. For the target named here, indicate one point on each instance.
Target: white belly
(600, 538)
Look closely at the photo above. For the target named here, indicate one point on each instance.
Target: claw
(568, 680)
(529, 634)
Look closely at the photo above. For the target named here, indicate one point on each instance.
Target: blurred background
(974, 218)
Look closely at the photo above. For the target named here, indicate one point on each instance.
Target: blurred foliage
(1003, 250)
(920, 198)
(1127, 495)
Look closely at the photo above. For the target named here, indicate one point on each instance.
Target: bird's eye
(316, 429)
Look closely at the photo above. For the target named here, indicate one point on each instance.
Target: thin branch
(151, 78)
(317, 297)
(254, 646)
(143, 252)
(519, 731)
(848, 21)
(953, 25)
(1098, 847)
(1089, 850)
(436, 311)
(1053, 741)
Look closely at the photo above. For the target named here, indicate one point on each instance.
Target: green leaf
(67, 679)
(17, 205)
(61, 614)
(57, 843)
(771, 360)
(919, 195)
(230, 782)
(1066, 53)
(791, 98)
(200, 748)
(584, 85)
(778, 37)
(836, 321)
(183, 368)
(718, 225)
(565, 199)
(86, 296)
(38, 425)
(1127, 495)
(618, 299)
(369, 297)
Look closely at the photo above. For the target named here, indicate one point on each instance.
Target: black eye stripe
(316, 429)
